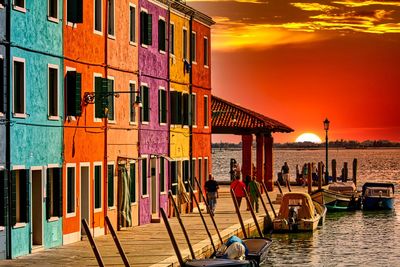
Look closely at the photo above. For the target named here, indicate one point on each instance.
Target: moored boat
(378, 196)
(297, 213)
(340, 196)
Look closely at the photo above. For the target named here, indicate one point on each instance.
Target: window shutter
(161, 35)
(172, 102)
(77, 110)
(145, 107)
(4, 200)
(48, 193)
(144, 176)
(13, 198)
(101, 87)
(75, 11)
(26, 204)
(110, 193)
(132, 173)
(179, 108)
(143, 23)
(185, 109)
(162, 175)
(159, 106)
(149, 29)
(190, 110)
(97, 176)
(110, 89)
(58, 199)
(163, 106)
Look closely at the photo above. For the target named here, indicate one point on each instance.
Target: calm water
(347, 239)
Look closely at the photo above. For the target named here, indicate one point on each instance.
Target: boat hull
(258, 249)
(219, 263)
(335, 201)
(282, 225)
(378, 203)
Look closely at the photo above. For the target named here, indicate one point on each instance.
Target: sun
(308, 137)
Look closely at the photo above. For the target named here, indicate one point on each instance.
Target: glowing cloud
(313, 7)
(366, 3)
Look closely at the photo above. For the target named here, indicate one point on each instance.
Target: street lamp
(326, 128)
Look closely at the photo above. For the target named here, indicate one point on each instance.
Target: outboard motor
(292, 218)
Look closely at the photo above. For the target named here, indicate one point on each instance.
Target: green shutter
(3, 198)
(149, 29)
(159, 106)
(26, 200)
(144, 176)
(179, 108)
(97, 181)
(164, 106)
(185, 110)
(77, 99)
(110, 173)
(71, 189)
(161, 35)
(48, 194)
(162, 175)
(58, 200)
(110, 89)
(132, 173)
(145, 108)
(101, 88)
(143, 32)
(75, 11)
(13, 198)
(172, 102)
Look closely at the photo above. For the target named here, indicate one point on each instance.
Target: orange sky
(300, 62)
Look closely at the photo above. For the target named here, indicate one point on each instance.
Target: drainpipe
(105, 171)
(8, 125)
(190, 99)
(168, 93)
(139, 117)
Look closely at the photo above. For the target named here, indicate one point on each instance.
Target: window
(205, 111)
(132, 187)
(110, 192)
(111, 20)
(145, 104)
(53, 91)
(71, 180)
(205, 53)
(98, 15)
(53, 9)
(110, 99)
(172, 39)
(97, 186)
(161, 35)
(185, 174)
(162, 175)
(193, 47)
(19, 86)
(185, 43)
(19, 197)
(193, 172)
(144, 176)
(145, 28)
(2, 85)
(162, 105)
(200, 176)
(193, 109)
(75, 11)
(3, 194)
(132, 88)
(176, 107)
(185, 110)
(53, 193)
(206, 168)
(174, 177)
(132, 24)
(19, 3)
(73, 94)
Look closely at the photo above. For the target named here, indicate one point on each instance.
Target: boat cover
(368, 185)
(301, 201)
(343, 187)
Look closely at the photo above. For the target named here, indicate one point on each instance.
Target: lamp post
(326, 128)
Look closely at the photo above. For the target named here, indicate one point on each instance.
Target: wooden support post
(345, 172)
(260, 157)
(309, 178)
(237, 209)
(319, 175)
(334, 174)
(117, 243)
(355, 171)
(247, 144)
(93, 244)
(269, 162)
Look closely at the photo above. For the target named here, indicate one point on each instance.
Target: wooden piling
(334, 174)
(237, 209)
(269, 199)
(309, 179)
(319, 175)
(345, 172)
(253, 214)
(117, 243)
(93, 244)
(279, 187)
(355, 171)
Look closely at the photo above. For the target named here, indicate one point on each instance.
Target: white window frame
(101, 17)
(52, 66)
(165, 37)
(98, 163)
(114, 121)
(159, 106)
(134, 43)
(194, 109)
(194, 59)
(24, 114)
(94, 89)
(136, 187)
(111, 163)
(208, 53)
(50, 18)
(140, 115)
(146, 156)
(18, 8)
(111, 36)
(133, 107)
(71, 214)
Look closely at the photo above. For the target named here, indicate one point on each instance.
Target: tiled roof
(231, 118)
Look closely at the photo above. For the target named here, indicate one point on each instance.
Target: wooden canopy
(229, 118)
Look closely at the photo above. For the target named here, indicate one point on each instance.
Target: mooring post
(237, 209)
(279, 187)
(117, 243)
(319, 175)
(93, 244)
(345, 172)
(355, 171)
(334, 174)
(269, 199)
(309, 180)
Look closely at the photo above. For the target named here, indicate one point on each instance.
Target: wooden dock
(149, 245)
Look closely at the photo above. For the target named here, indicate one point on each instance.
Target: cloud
(239, 1)
(313, 7)
(366, 3)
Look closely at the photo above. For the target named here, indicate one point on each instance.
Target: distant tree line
(350, 144)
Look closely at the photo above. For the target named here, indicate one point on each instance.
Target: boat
(298, 213)
(339, 196)
(378, 196)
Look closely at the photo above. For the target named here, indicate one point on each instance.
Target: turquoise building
(36, 119)
(3, 141)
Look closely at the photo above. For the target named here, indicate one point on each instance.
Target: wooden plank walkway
(149, 245)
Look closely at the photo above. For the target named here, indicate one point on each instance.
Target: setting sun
(308, 137)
